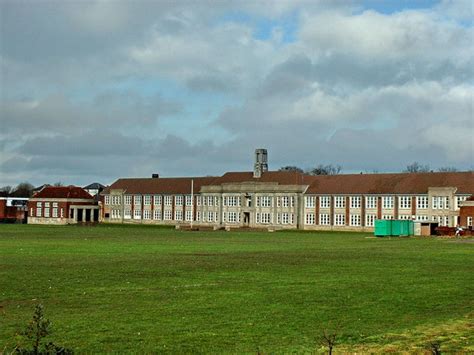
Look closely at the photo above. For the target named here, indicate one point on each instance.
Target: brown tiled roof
(62, 192)
(403, 183)
(159, 185)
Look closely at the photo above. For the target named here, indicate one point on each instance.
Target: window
(210, 200)
(285, 201)
(216, 201)
(370, 220)
(189, 216)
(355, 202)
(387, 216)
(285, 218)
(178, 215)
(168, 200)
(354, 219)
(198, 215)
(404, 216)
(116, 213)
(107, 200)
(55, 212)
(198, 200)
(324, 201)
(264, 201)
(340, 202)
(147, 200)
(404, 202)
(127, 213)
(157, 200)
(116, 199)
(137, 200)
(421, 202)
(459, 200)
(46, 211)
(55, 204)
(421, 218)
(147, 214)
(127, 200)
(440, 202)
(38, 211)
(339, 219)
(204, 200)
(309, 201)
(371, 202)
(178, 200)
(157, 215)
(31, 212)
(387, 202)
(189, 200)
(231, 217)
(233, 201)
(309, 218)
(62, 212)
(265, 218)
(210, 216)
(324, 219)
(168, 215)
(469, 221)
(137, 214)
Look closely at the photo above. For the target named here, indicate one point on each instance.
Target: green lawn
(132, 288)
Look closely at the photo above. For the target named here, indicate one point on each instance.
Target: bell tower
(260, 165)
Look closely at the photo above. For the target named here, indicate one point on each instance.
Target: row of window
(388, 202)
(47, 212)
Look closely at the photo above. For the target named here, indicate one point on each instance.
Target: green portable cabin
(393, 227)
(383, 227)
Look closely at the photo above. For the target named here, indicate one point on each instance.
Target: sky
(91, 91)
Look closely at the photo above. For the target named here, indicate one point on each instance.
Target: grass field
(149, 289)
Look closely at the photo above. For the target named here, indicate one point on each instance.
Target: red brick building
(466, 213)
(62, 205)
(13, 209)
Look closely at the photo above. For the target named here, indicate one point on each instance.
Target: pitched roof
(159, 185)
(280, 177)
(402, 183)
(62, 192)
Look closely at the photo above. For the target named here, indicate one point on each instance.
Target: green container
(407, 228)
(383, 227)
(397, 227)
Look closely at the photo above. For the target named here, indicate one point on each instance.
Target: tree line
(23, 189)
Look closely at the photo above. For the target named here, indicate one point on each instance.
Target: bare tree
(24, 189)
(447, 169)
(6, 190)
(57, 184)
(329, 169)
(328, 339)
(291, 168)
(416, 167)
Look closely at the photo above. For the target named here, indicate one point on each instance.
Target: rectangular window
(210, 200)
(371, 202)
(46, 211)
(137, 214)
(55, 212)
(147, 200)
(157, 214)
(31, 212)
(309, 218)
(285, 201)
(157, 200)
(285, 218)
(404, 217)
(62, 212)
(147, 214)
(265, 201)
(127, 200)
(469, 221)
(339, 219)
(340, 202)
(309, 201)
(404, 202)
(198, 216)
(116, 199)
(370, 220)
(178, 215)
(324, 201)
(168, 200)
(189, 200)
(233, 201)
(55, 204)
(421, 218)
(127, 213)
(421, 202)
(115, 213)
(189, 216)
(38, 211)
(178, 200)
(137, 200)
(459, 201)
(387, 202)
(168, 215)
(354, 219)
(107, 200)
(324, 219)
(198, 200)
(355, 202)
(387, 216)
(232, 217)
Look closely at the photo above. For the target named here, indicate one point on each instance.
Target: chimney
(260, 165)
(155, 176)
